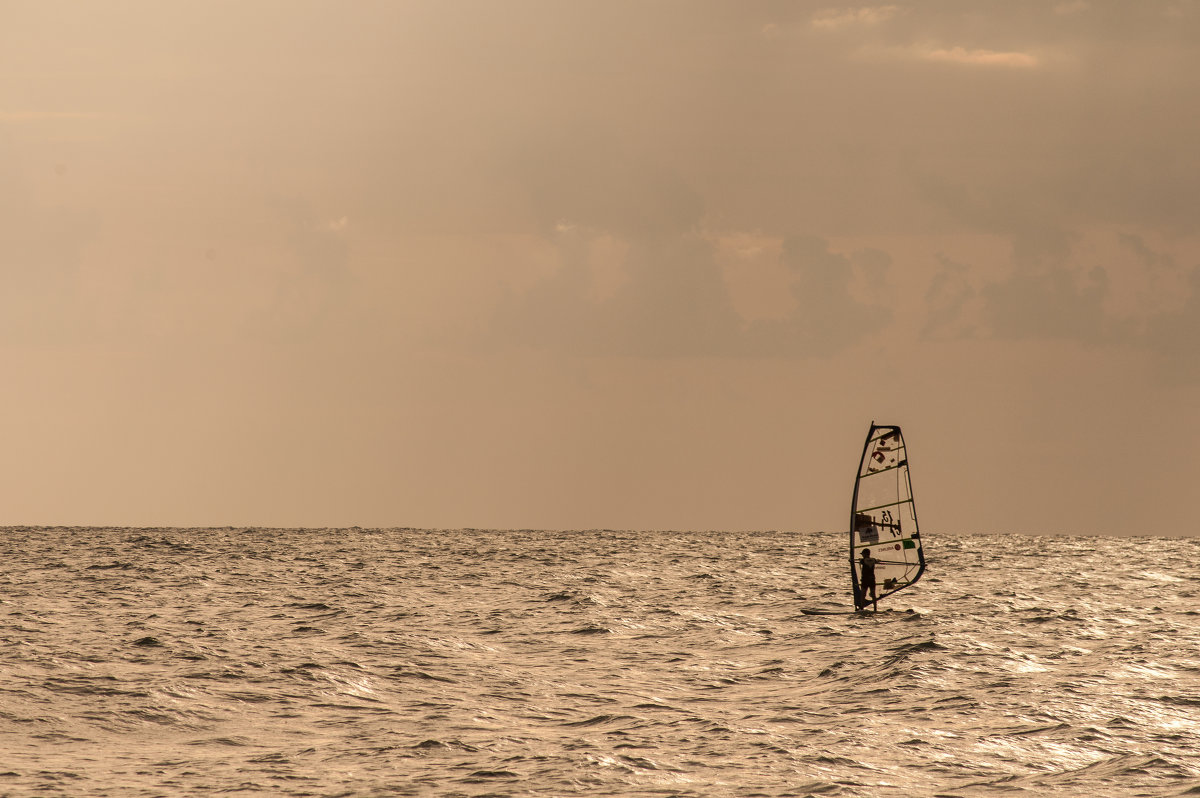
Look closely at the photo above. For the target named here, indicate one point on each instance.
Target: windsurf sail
(883, 517)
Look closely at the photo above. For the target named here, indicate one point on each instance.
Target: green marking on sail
(883, 516)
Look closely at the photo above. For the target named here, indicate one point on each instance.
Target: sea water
(333, 662)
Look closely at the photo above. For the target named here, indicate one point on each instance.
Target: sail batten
(882, 506)
(882, 484)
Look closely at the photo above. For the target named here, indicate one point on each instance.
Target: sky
(598, 264)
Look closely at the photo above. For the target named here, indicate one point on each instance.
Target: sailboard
(883, 518)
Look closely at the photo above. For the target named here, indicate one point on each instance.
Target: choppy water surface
(413, 662)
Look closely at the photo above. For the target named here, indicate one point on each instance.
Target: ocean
(364, 662)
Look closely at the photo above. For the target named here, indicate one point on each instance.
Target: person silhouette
(867, 579)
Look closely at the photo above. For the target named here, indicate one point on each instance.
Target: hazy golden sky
(598, 264)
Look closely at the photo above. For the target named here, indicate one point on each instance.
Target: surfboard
(864, 611)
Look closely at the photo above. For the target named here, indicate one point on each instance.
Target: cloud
(828, 317)
(984, 58)
(1137, 245)
(1139, 302)
(675, 302)
(835, 18)
(1154, 283)
(947, 300)
(1052, 303)
(1036, 232)
(1177, 334)
(1168, 299)
(1049, 293)
(588, 175)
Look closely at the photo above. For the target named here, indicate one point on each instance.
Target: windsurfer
(868, 579)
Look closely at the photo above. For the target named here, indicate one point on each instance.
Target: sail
(883, 517)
